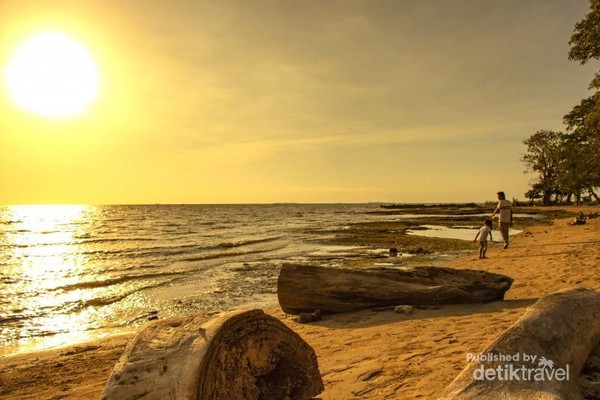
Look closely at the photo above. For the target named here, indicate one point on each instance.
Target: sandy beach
(368, 354)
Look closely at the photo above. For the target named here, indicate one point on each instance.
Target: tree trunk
(546, 200)
(563, 328)
(557, 198)
(594, 195)
(306, 288)
(240, 355)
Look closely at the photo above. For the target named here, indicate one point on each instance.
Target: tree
(544, 156)
(582, 145)
(583, 120)
(573, 174)
(582, 152)
(534, 193)
(569, 164)
(585, 41)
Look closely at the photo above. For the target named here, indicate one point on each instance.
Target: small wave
(108, 300)
(112, 281)
(134, 267)
(11, 221)
(25, 246)
(108, 240)
(179, 232)
(104, 301)
(173, 224)
(231, 254)
(165, 251)
(148, 251)
(4, 319)
(124, 219)
(239, 243)
(35, 232)
(74, 307)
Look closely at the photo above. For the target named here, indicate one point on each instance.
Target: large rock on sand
(305, 288)
(239, 355)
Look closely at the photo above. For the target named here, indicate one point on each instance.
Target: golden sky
(237, 101)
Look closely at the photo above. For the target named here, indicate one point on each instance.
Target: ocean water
(70, 273)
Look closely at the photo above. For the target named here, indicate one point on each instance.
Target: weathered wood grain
(563, 328)
(305, 288)
(239, 355)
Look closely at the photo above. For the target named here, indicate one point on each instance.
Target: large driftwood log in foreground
(240, 355)
(305, 288)
(563, 328)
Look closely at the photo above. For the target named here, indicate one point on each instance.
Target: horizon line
(246, 204)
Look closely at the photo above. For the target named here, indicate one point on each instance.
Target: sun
(52, 75)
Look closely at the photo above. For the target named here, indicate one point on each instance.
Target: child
(482, 235)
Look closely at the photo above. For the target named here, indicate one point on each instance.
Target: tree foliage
(568, 165)
(565, 167)
(582, 119)
(585, 41)
(583, 122)
(544, 157)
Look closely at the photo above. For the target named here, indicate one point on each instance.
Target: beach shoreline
(367, 354)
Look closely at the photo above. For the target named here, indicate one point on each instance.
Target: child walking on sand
(482, 235)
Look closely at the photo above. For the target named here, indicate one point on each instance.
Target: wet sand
(369, 354)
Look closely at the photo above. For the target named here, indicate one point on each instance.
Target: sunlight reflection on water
(40, 257)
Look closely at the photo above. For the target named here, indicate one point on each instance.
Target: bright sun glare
(52, 75)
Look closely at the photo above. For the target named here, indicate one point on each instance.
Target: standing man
(505, 216)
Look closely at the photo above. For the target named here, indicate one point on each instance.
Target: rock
(580, 220)
(419, 250)
(404, 309)
(309, 317)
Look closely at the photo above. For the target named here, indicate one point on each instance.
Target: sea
(69, 273)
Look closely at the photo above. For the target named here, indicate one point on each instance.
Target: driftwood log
(555, 336)
(240, 355)
(305, 288)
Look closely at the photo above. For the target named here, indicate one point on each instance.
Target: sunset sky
(237, 101)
